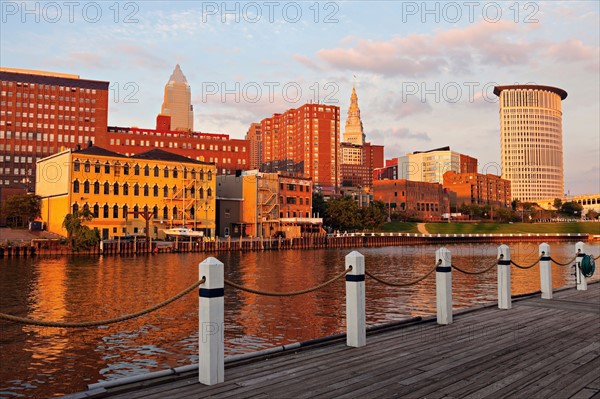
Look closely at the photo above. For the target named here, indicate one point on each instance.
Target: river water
(45, 362)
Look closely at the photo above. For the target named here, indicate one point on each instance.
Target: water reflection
(43, 362)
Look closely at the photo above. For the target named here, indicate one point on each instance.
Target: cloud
(574, 50)
(454, 50)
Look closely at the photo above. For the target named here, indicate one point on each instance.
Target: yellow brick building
(173, 190)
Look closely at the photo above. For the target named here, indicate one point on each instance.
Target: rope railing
(292, 293)
(596, 257)
(403, 284)
(60, 324)
(487, 269)
(567, 263)
(525, 267)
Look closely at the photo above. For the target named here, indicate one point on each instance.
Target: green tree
(79, 235)
(19, 210)
(557, 203)
(342, 214)
(374, 215)
(318, 204)
(571, 208)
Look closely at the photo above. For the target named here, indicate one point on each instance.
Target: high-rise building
(354, 132)
(254, 137)
(359, 158)
(40, 113)
(531, 149)
(427, 166)
(178, 102)
(304, 142)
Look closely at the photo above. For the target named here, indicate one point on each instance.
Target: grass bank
(496, 228)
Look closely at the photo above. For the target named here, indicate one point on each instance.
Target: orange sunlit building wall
(479, 189)
(422, 200)
(303, 142)
(254, 137)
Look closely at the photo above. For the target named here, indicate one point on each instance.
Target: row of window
(47, 87)
(117, 212)
(126, 169)
(88, 187)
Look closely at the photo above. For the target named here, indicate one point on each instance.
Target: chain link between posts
(59, 324)
(525, 267)
(403, 284)
(292, 293)
(567, 263)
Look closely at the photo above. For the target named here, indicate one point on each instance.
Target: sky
(424, 71)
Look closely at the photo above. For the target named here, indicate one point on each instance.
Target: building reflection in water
(43, 362)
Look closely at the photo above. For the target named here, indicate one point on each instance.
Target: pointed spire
(177, 76)
(354, 132)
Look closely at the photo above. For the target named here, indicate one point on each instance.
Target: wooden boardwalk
(538, 349)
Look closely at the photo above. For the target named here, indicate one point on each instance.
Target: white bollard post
(504, 292)
(580, 278)
(545, 271)
(443, 284)
(356, 331)
(211, 356)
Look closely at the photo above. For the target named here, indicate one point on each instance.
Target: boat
(183, 232)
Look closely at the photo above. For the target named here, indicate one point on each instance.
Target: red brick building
(40, 112)
(254, 136)
(228, 154)
(426, 201)
(303, 142)
(478, 189)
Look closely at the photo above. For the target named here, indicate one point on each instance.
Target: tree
(342, 214)
(557, 203)
(79, 235)
(571, 208)
(19, 210)
(374, 215)
(319, 206)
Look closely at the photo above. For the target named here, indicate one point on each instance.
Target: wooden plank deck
(538, 349)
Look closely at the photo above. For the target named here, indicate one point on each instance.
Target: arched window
(136, 189)
(192, 212)
(125, 210)
(175, 173)
(156, 171)
(201, 174)
(76, 186)
(116, 189)
(193, 173)
(106, 167)
(155, 212)
(76, 165)
(174, 190)
(155, 190)
(106, 188)
(174, 212)
(97, 167)
(86, 166)
(192, 192)
(201, 193)
(185, 173)
(136, 212)
(146, 190)
(165, 191)
(125, 189)
(96, 188)
(96, 211)
(146, 170)
(75, 209)
(86, 187)
(210, 175)
(166, 172)
(115, 211)
(126, 169)
(209, 192)
(86, 207)
(136, 170)
(165, 212)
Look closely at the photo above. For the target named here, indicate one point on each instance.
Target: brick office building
(426, 201)
(41, 112)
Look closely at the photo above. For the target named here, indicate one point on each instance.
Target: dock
(538, 349)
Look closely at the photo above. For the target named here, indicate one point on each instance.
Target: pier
(539, 348)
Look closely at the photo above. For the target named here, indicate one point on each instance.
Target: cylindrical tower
(531, 147)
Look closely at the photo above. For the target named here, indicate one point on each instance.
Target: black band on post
(443, 269)
(355, 277)
(504, 262)
(546, 258)
(211, 292)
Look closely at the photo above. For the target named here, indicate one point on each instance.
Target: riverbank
(589, 227)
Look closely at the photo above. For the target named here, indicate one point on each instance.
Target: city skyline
(395, 54)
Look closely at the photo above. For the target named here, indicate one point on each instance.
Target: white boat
(183, 232)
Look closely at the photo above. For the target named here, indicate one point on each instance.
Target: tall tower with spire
(177, 103)
(354, 133)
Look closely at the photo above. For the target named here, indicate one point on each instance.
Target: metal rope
(45, 323)
(292, 293)
(479, 272)
(403, 284)
(525, 267)
(597, 257)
